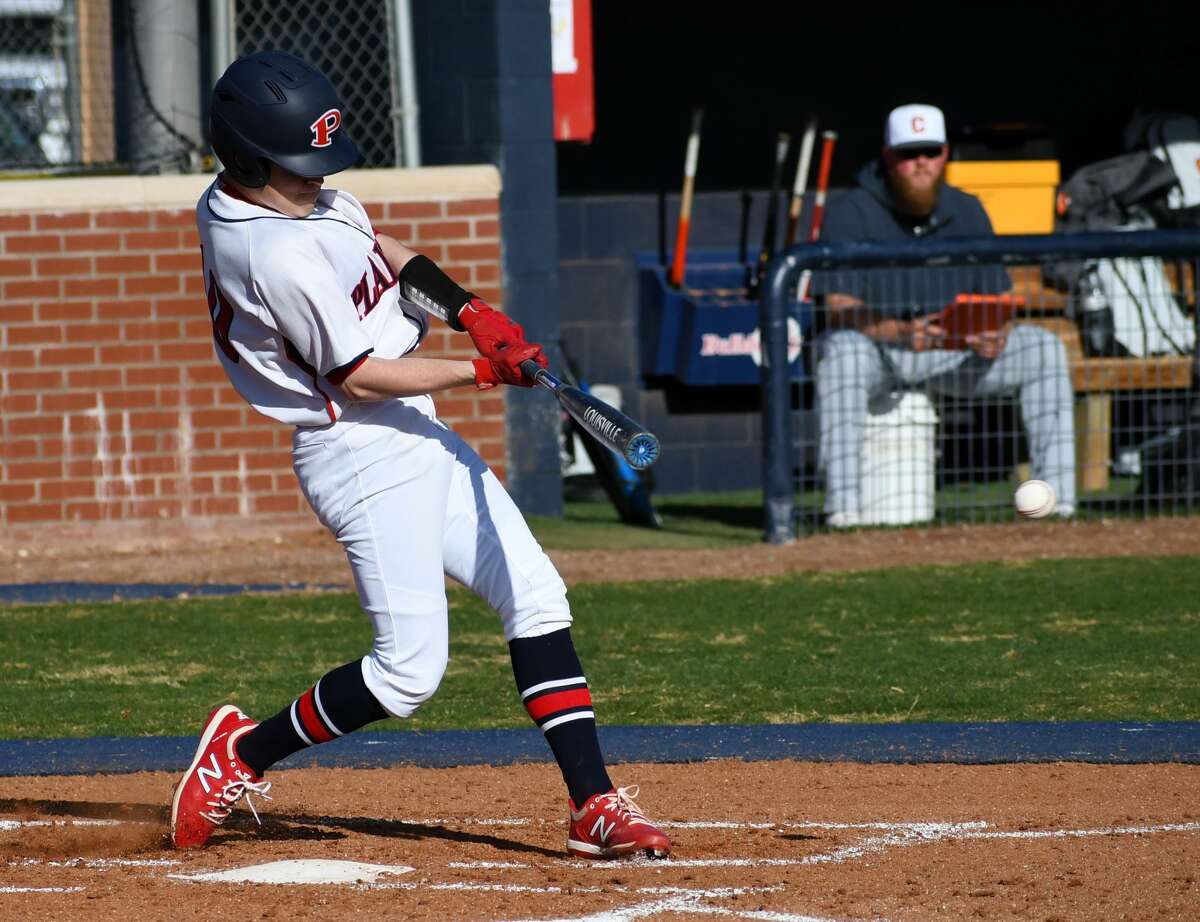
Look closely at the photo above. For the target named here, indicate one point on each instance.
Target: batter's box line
(691, 902)
(42, 889)
(903, 835)
(93, 863)
(906, 836)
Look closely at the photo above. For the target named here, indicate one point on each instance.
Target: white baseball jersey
(298, 303)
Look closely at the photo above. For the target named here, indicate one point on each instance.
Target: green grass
(706, 520)
(1061, 640)
(694, 520)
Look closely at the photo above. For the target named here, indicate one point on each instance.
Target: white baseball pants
(410, 501)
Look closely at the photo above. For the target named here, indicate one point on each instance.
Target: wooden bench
(1095, 380)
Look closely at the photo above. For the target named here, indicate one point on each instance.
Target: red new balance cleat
(612, 826)
(216, 781)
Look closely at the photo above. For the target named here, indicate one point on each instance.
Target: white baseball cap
(914, 125)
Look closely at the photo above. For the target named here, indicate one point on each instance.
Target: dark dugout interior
(1077, 70)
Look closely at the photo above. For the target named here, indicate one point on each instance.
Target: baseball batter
(315, 320)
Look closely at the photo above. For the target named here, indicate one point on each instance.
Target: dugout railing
(1117, 311)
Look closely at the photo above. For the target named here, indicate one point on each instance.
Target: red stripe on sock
(312, 722)
(558, 701)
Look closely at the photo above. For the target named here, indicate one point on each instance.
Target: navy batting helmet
(272, 106)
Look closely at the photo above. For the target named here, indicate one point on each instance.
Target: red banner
(571, 64)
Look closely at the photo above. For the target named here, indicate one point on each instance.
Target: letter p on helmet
(324, 127)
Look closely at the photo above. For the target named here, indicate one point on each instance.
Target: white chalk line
(466, 821)
(683, 900)
(497, 821)
(485, 865)
(484, 888)
(680, 900)
(93, 862)
(41, 889)
(7, 825)
(904, 836)
(1083, 833)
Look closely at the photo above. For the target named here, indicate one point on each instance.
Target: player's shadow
(30, 808)
(277, 827)
(693, 514)
(396, 829)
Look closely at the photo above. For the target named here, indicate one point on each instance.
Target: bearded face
(915, 177)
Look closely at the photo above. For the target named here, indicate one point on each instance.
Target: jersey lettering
(214, 772)
(359, 297)
(319, 296)
(369, 290)
(221, 312)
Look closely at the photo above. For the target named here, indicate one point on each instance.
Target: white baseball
(1035, 499)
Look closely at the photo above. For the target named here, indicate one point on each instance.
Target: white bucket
(897, 467)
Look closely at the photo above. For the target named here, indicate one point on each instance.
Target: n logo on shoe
(603, 833)
(214, 772)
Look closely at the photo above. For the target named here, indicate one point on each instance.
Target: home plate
(300, 871)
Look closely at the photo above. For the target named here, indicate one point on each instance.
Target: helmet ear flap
(251, 172)
(241, 164)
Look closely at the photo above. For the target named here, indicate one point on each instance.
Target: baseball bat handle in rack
(607, 425)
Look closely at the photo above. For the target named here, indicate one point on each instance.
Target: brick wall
(113, 404)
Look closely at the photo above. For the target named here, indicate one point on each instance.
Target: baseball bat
(744, 227)
(769, 230)
(801, 182)
(607, 425)
(828, 140)
(685, 202)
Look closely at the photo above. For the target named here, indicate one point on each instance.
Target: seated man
(878, 331)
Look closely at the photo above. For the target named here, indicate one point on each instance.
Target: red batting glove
(505, 368)
(485, 375)
(490, 331)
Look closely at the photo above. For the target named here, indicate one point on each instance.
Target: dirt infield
(291, 550)
(782, 841)
(773, 841)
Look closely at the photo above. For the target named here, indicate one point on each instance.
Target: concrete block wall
(483, 67)
(705, 448)
(113, 405)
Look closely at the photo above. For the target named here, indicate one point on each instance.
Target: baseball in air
(1035, 499)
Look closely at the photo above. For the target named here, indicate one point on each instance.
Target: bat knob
(642, 451)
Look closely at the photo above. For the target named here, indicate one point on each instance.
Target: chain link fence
(41, 44)
(945, 371)
(90, 86)
(350, 43)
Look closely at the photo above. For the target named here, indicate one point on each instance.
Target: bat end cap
(642, 451)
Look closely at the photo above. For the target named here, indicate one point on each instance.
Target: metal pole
(224, 38)
(404, 109)
(164, 61)
(66, 41)
(778, 461)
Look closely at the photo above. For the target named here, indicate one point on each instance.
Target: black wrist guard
(425, 285)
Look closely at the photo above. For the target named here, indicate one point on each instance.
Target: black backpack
(1171, 467)
(1140, 189)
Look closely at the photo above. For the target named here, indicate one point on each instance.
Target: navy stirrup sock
(338, 704)
(554, 691)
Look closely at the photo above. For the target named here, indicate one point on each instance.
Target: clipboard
(969, 315)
